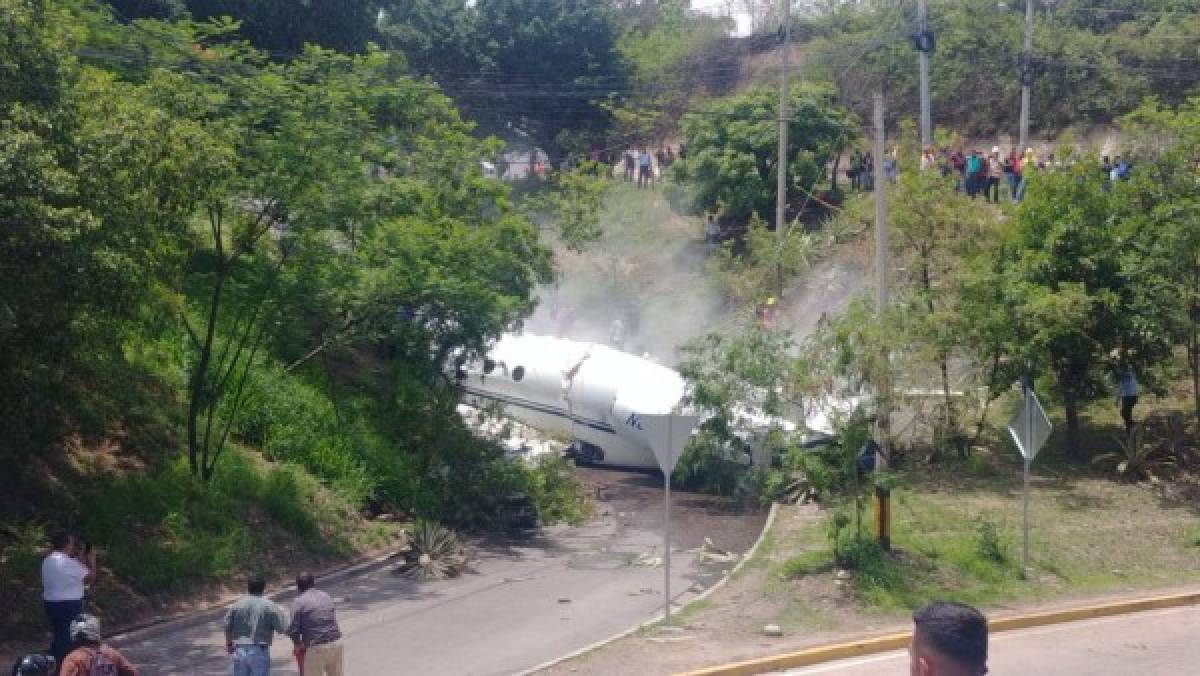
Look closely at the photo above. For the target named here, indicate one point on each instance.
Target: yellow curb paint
(888, 642)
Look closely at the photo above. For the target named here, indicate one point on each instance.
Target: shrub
(557, 491)
(989, 543)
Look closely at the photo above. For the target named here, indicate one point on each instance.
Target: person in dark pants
(1128, 398)
(64, 571)
(949, 639)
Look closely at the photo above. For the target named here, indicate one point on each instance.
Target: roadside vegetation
(240, 254)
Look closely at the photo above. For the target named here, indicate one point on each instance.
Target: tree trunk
(1071, 410)
(198, 390)
(1194, 337)
(979, 424)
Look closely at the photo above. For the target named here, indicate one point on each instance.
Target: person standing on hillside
(630, 162)
(959, 163)
(1012, 169)
(995, 173)
(645, 168)
(65, 569)
(314, 630)
(1029, 164)
(974, 173)
(928, 159)
(250, 625)
(949, 639)
(92, 657)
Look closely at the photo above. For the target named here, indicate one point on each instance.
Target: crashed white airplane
(592, 393)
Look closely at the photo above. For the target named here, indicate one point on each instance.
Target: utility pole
(1026, 77)
(781, 184)
(883, 515)
(924, 46)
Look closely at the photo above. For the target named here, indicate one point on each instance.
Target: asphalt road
(524, 603)
(1161, 643)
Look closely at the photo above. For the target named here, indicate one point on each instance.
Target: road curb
(896, 641)
(653, 621)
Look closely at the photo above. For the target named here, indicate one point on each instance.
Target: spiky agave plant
(435, 553)
(1138, 458)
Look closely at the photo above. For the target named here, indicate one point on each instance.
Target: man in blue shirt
(1127, 386)
(250, 625)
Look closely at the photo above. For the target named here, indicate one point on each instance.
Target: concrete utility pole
(883, 516)
(781, 184)
(1026, 77)
(924, 45)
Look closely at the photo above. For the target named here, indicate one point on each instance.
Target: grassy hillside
(167, 543)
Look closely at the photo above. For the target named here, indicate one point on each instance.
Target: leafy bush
(557, 491)
(989, 543)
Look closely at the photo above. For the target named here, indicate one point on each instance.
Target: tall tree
(1085, 290)
(936, 230)
(95, 201)
(524, 70)
(732, 150)
(1168, 202)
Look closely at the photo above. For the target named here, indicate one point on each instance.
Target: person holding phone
(69, 565)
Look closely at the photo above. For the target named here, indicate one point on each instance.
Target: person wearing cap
(64, 571)
(91, 656)
(35, 664)
(250, 625)
(766, 313)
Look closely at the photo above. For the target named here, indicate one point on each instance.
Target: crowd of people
(249, 625)
(639, 165)
(976, 173)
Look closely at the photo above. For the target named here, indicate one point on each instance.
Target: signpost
(1030, 429)
(668, 433)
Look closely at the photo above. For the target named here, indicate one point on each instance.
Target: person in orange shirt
(91, 656)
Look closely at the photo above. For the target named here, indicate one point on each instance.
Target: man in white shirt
(63, 577)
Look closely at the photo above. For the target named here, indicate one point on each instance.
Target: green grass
(957, 534)
(162, 534)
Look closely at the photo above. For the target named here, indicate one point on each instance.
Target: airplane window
(518, 373)
(489, 365)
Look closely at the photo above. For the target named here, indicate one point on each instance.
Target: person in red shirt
(91, 656)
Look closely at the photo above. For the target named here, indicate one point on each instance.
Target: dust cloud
(644, 287)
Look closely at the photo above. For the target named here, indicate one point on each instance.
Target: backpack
(101, 665)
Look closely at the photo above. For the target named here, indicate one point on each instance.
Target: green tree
(936, 230)
(279, 27)
(1168, 202)
(95, 201)
(529, 70)
(732, 150)
(1084, 292)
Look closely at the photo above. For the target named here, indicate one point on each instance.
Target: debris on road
(772, 630)
(713, 554)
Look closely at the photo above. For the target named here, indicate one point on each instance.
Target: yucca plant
(1138, 458)
(434, 553)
